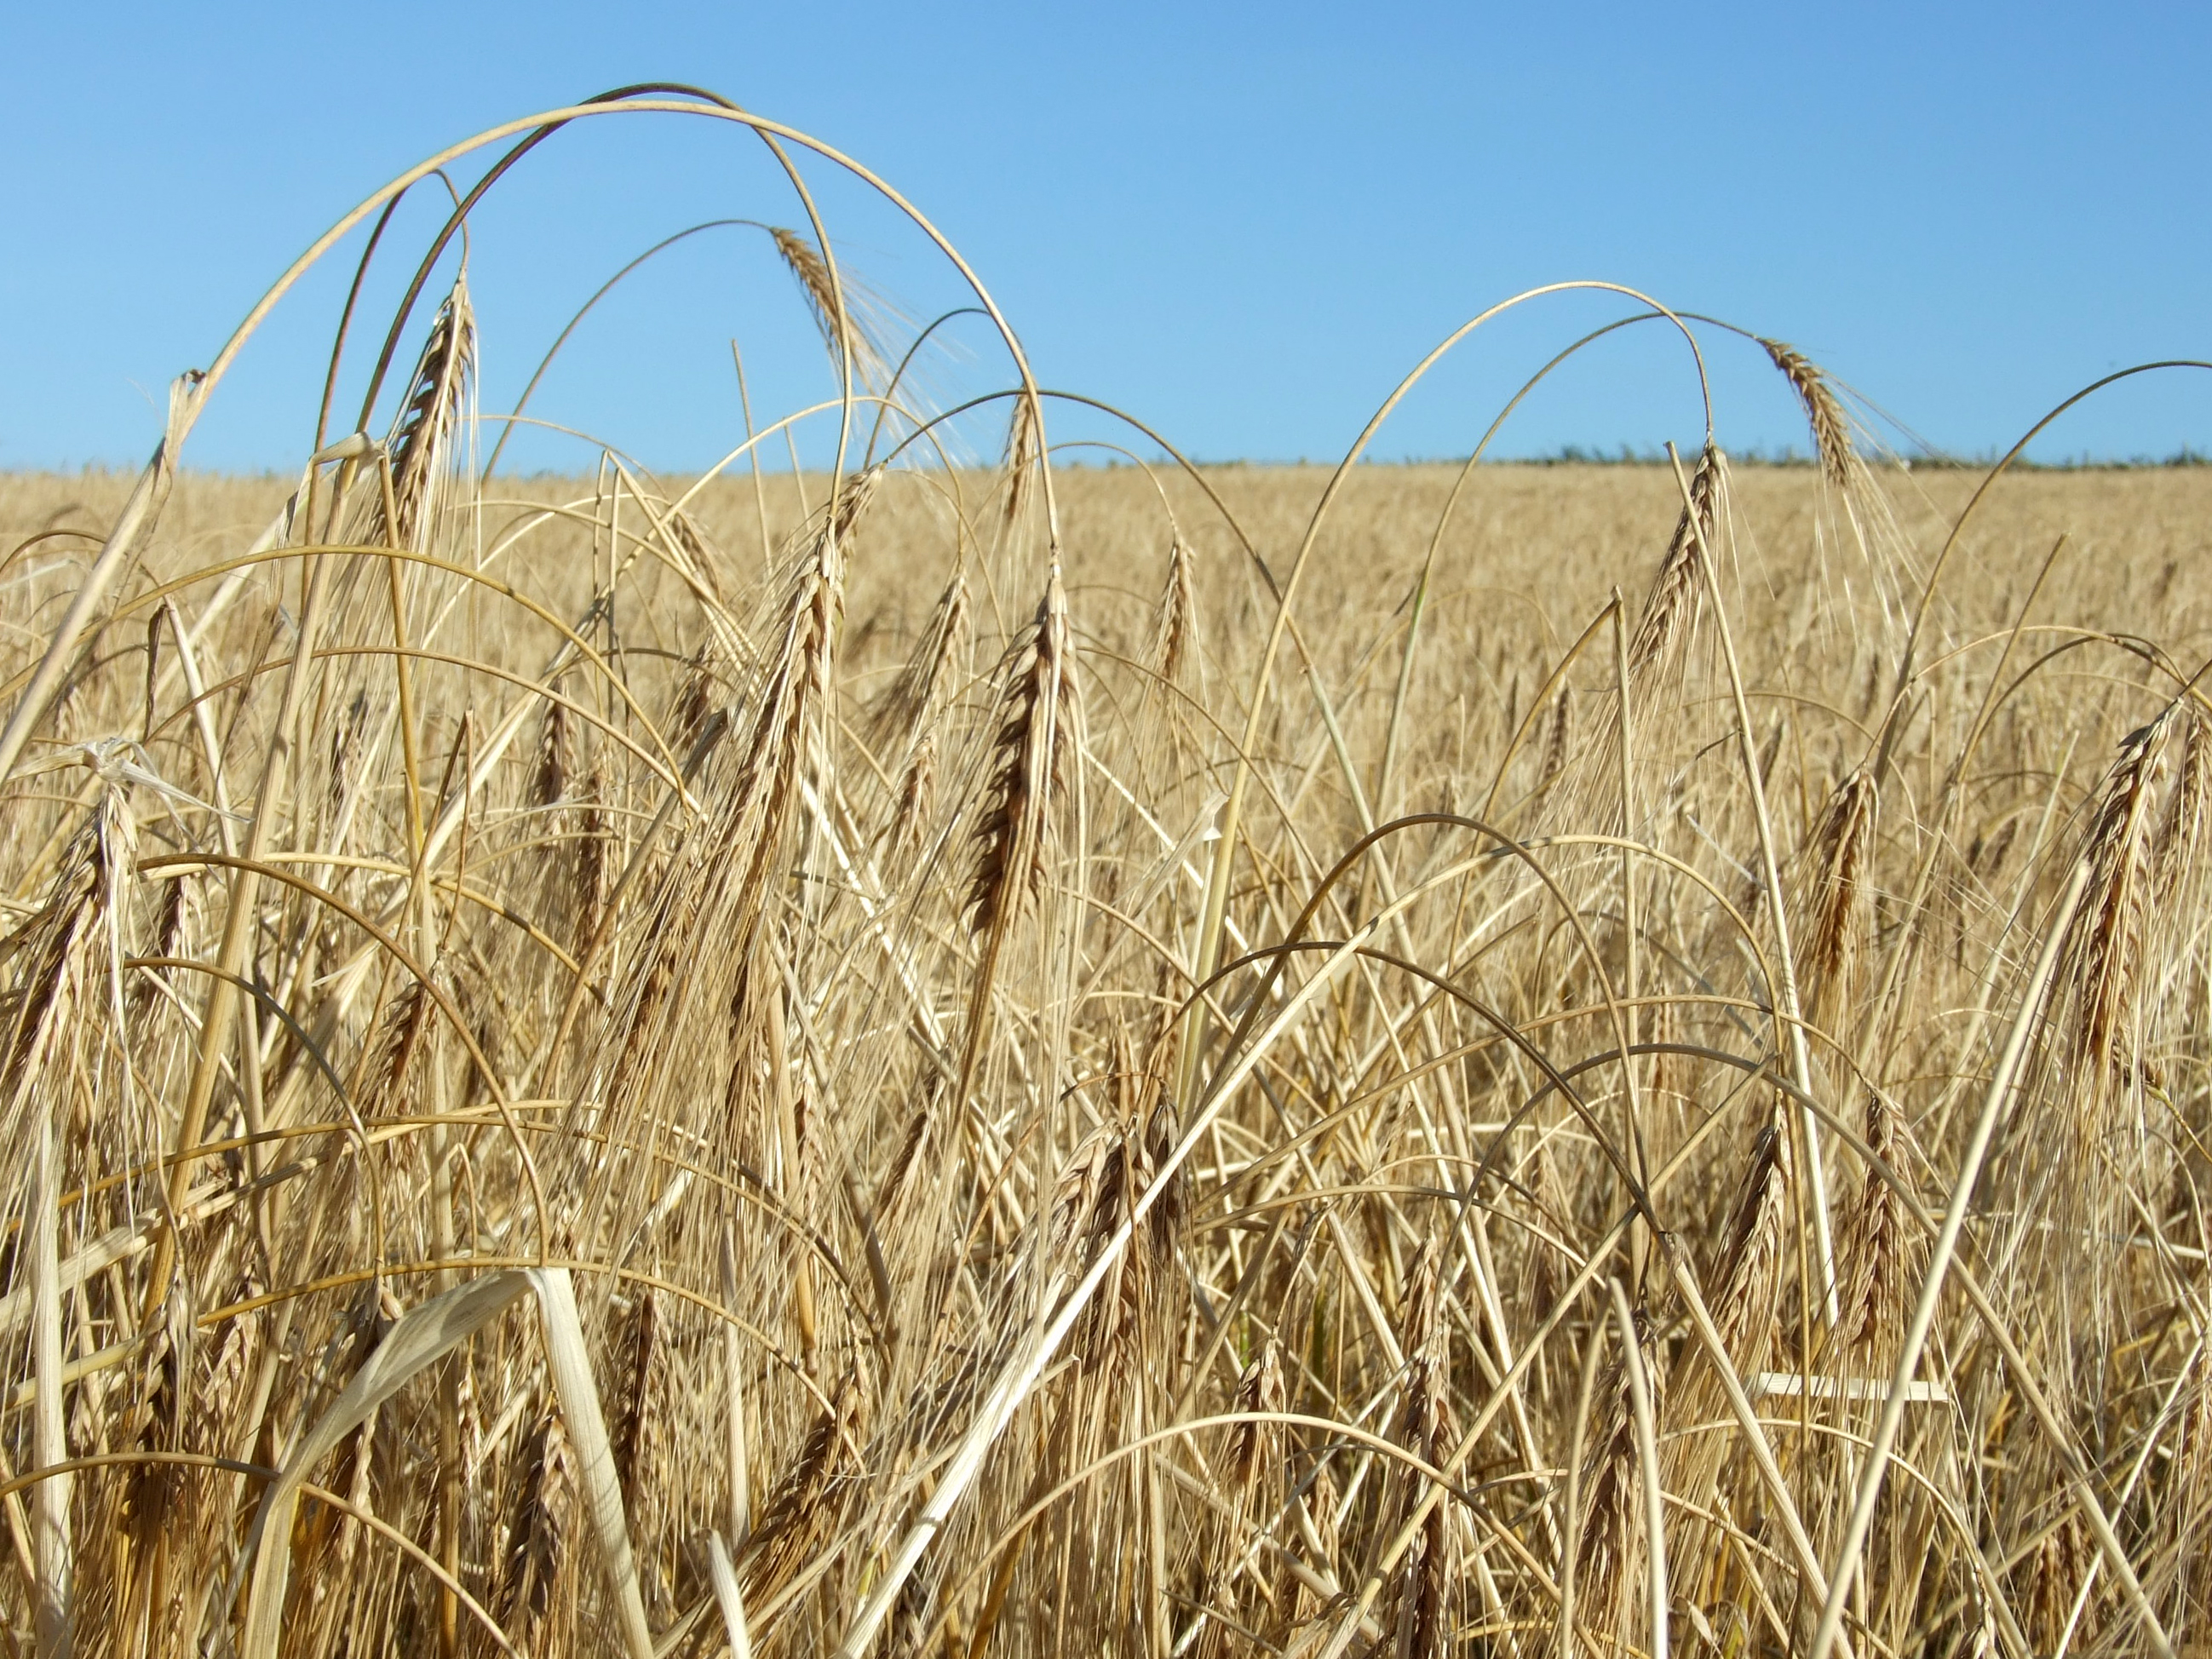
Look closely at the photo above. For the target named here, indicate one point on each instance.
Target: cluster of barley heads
(561, 1098)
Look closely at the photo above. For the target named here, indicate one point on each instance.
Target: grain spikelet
(826, 299)
(2105, 955)
(1986, 856)
(2050, 1579)
(709, 906)
(634, 1403)
(1824, 412)
(549, 777)
(574, 863)
(1609, 1558)
(92, 880)
(1251, 1444)
(697, 696)
(804, 1510)
(2181, 836)
(898, 1180)
(590, 852)
(1022, 457)
(917, 794)
(1831, 897)
(1428, 1427)
(800, 677)
(913, 710)
(1178, 614)
(1316, 1521)
(1072, 1218)
(1097, 1191)
(640, 1432)
(360, 1489)
(1251, 1471)
(537, 1538)
(700, 561)
(170, 925)
(1012, 841)
(53, 938)
(345, 747)
(921, 684)
(389, 1061)
(1558, 741)
(1676, 600)
(1881, 1247)
(1751, 1265)
(1162, 1129)
(422, 439)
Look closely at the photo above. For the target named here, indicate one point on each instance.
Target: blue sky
(1242, 223)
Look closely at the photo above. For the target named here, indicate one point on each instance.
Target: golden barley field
(1510, 1060)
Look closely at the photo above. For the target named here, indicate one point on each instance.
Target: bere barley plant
(920, 1056)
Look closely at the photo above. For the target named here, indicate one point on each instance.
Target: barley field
(1510, 1060)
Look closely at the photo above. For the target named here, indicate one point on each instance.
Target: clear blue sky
(1242, 223)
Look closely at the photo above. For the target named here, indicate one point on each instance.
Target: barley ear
(1028, 764)
(842, 325)
(1676, 603)
(422, 437)
(1824, 412)
(1831, 897)
(1022, 457)
(1177, 620)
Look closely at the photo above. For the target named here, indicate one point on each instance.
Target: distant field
(1560, 535)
